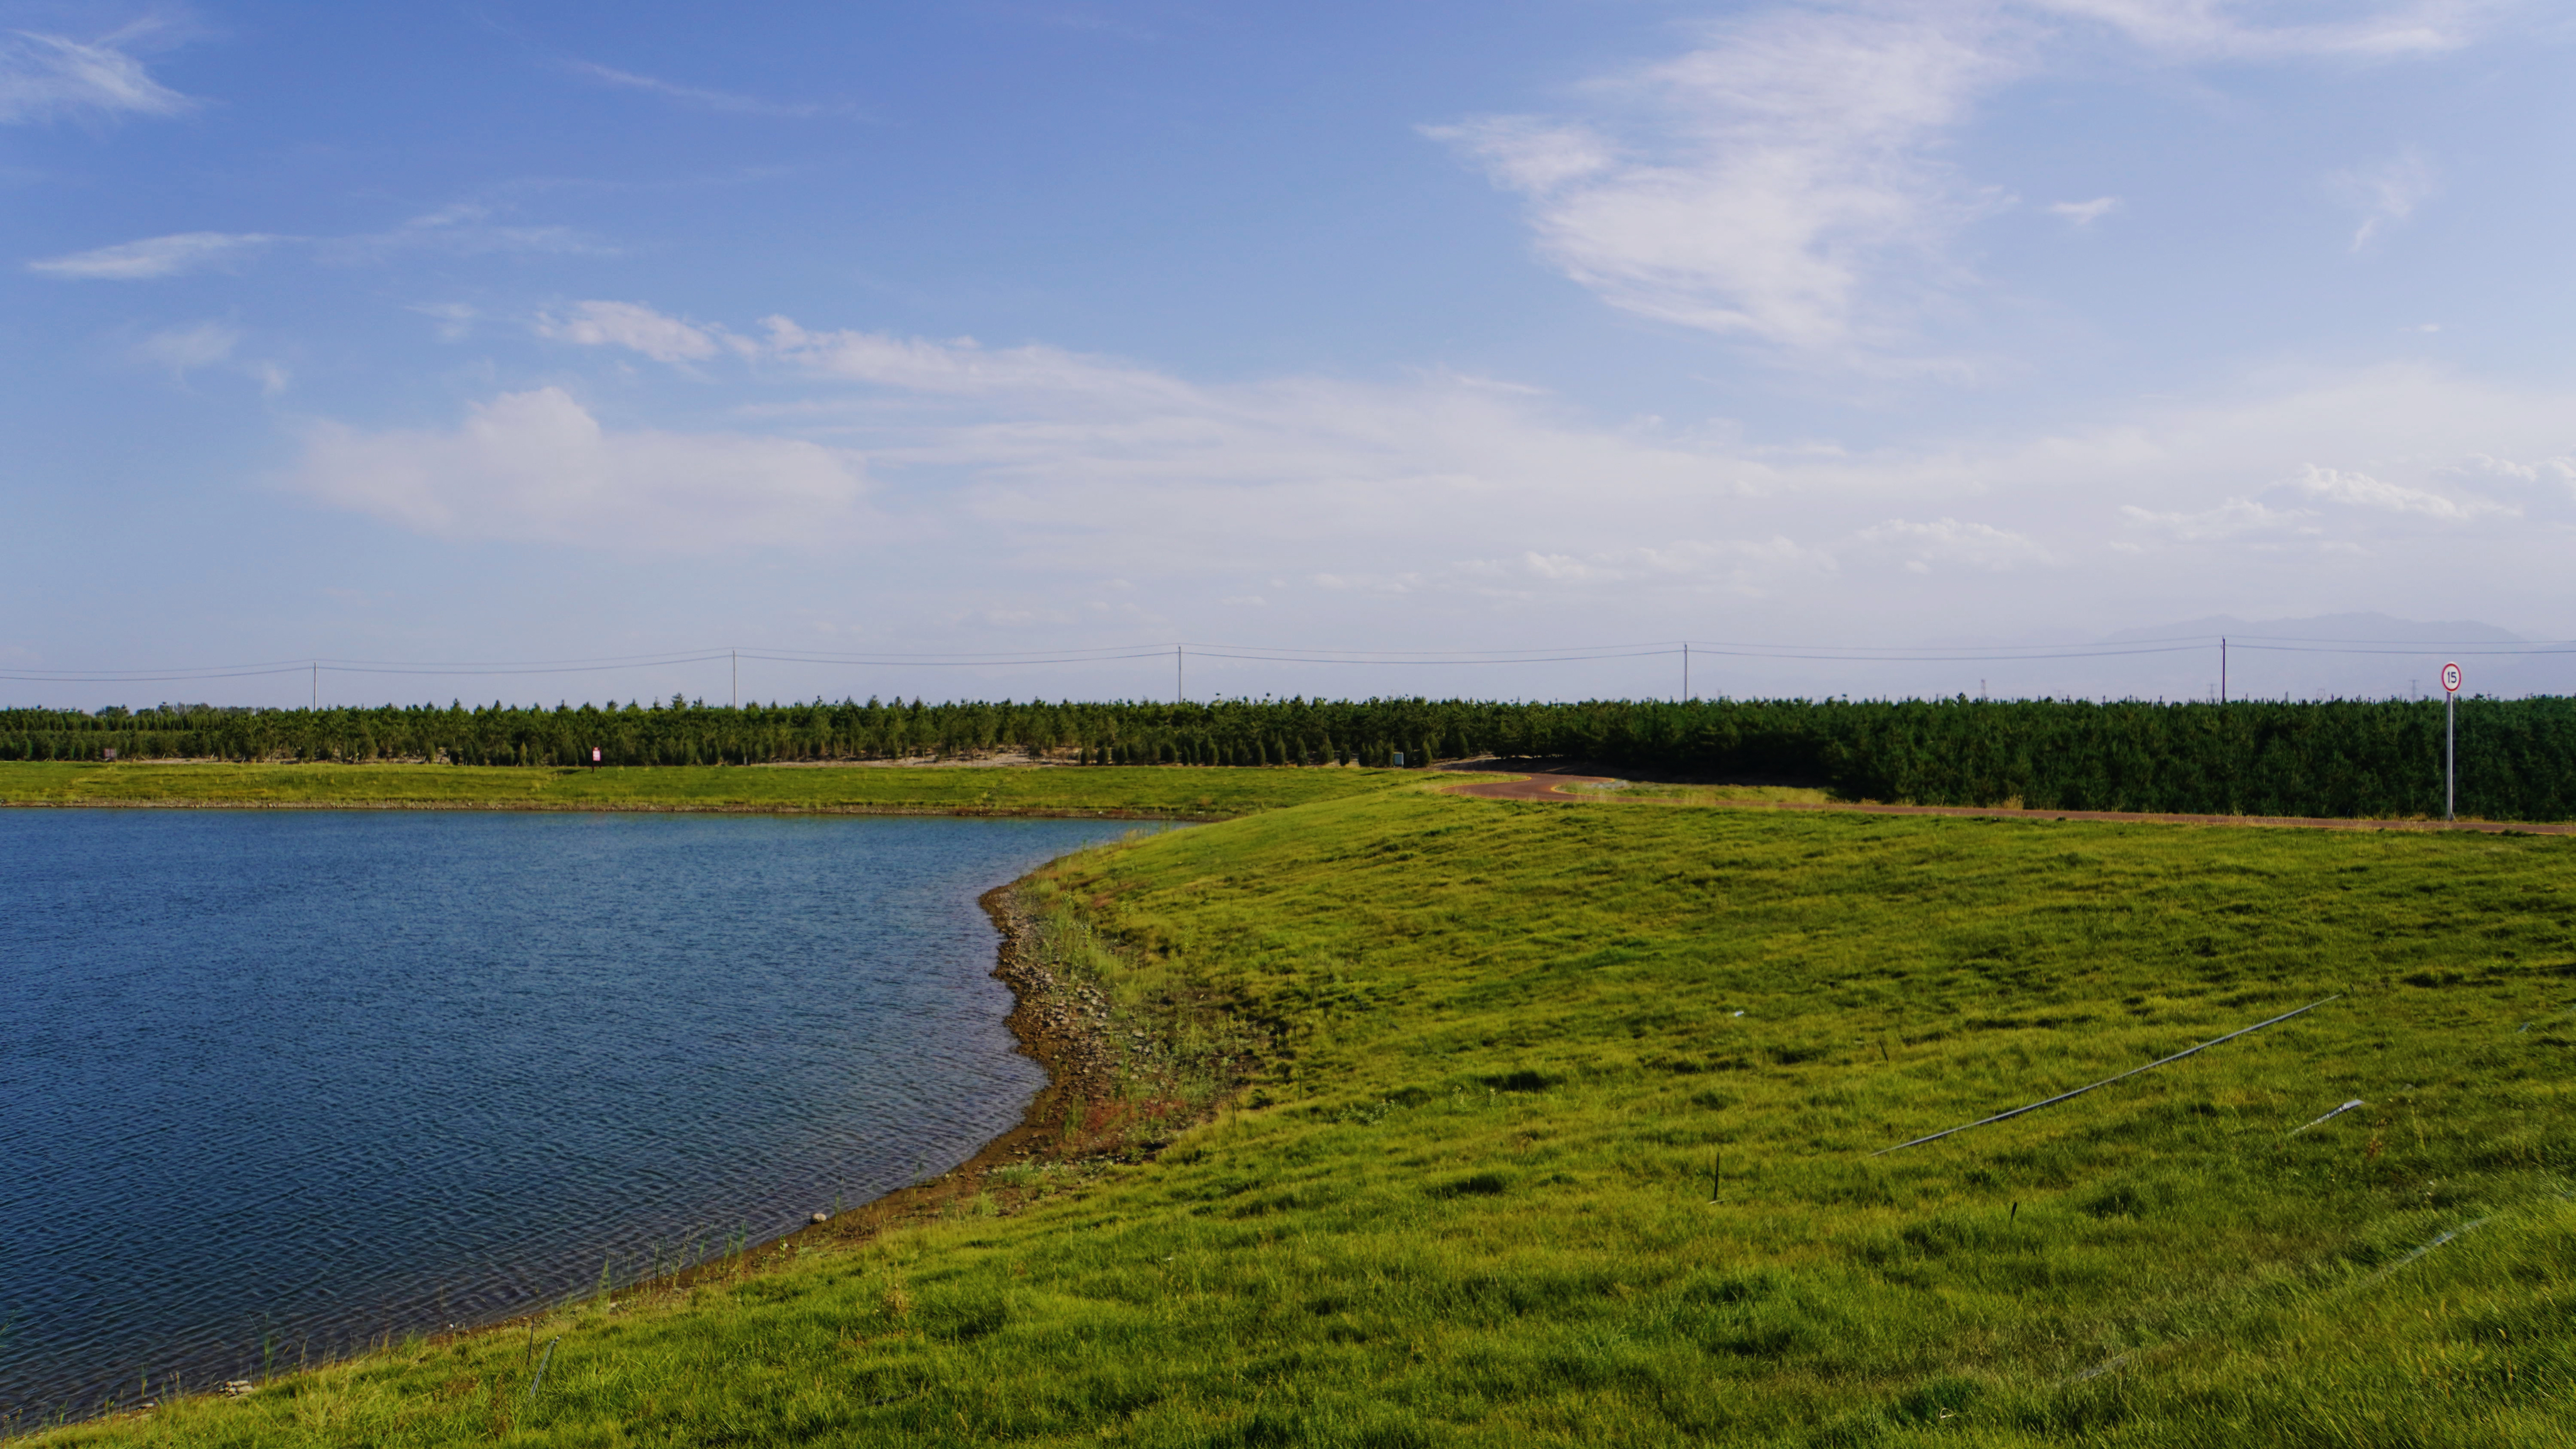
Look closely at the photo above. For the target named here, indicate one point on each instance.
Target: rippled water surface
(273, 1083)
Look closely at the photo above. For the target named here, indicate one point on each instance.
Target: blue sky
(502, 333)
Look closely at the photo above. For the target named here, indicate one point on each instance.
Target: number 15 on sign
(2450, 739)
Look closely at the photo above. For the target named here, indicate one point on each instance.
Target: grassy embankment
(948, 789)
(1565, 1136)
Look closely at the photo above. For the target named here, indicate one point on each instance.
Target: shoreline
(980, 812)
(1078, 1067)
(1077, 1063)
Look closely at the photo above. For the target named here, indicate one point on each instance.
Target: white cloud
(156, 257)
(465, 228)
(1786, 181)
(630, 325)
(1947, 540)
(537, 467)
(1529, 153)
(965, 366)
(1367, 584)
(2560, 470)
(2215, 29)
(1485, 500)
(45, 76)
(2230, 519)
(700, 97)
(455, 319)
(2388, 192)
(2360, 490)
(186, 349)
(1772, 173)
(1745, 566)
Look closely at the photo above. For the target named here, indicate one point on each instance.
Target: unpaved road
(1551, 787)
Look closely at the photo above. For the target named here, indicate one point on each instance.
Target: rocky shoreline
(1066, 1029)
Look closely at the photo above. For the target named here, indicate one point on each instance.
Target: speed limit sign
(2451, 678)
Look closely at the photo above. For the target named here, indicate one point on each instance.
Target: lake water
(273, 1083)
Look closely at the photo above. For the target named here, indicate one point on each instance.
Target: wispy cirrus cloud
(630, 325)
(1788, 179)
(202, 345)
(1755, 185)
(2085, 213)
(185, 349)
(44, 77)
(2238, 30)
(702, 98)
(153, 258)
(2386, 193)
(465, 229)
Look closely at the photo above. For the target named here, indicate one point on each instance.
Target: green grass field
(957, 789)
(1564, 1135)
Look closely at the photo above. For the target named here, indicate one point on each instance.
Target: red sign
(2451, 678)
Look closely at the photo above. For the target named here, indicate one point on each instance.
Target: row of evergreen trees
(2337, 757)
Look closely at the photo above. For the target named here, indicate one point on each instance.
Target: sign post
(2450, 739)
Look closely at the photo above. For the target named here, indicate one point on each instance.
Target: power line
(1284, 654)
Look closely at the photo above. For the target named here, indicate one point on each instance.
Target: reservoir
(274, 1083)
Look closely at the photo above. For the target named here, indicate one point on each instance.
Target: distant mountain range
(2363, 656)
(2333, 628)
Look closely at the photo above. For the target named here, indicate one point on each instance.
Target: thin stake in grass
(539, 1381)
(2106, 1081)
(2330, 1116)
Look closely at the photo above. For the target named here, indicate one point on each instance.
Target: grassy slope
(1471, 1204)
(1169, 790)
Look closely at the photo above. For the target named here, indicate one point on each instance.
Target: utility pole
(317, 684)
(2222, 669)
(1178, 694)
(736, 655)
(1685, 671)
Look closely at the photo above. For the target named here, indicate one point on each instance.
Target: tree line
(2332, 757)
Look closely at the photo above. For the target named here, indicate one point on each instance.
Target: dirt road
(1550, 786)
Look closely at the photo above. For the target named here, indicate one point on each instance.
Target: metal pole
(1178, 694)
(2222, 669)
(317, 684)
(1685, 671)
(736, 655)
(2450, 752)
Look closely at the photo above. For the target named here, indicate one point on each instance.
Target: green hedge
(2335, 757)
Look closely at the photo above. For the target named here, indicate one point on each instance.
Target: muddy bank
(1066, 1028)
